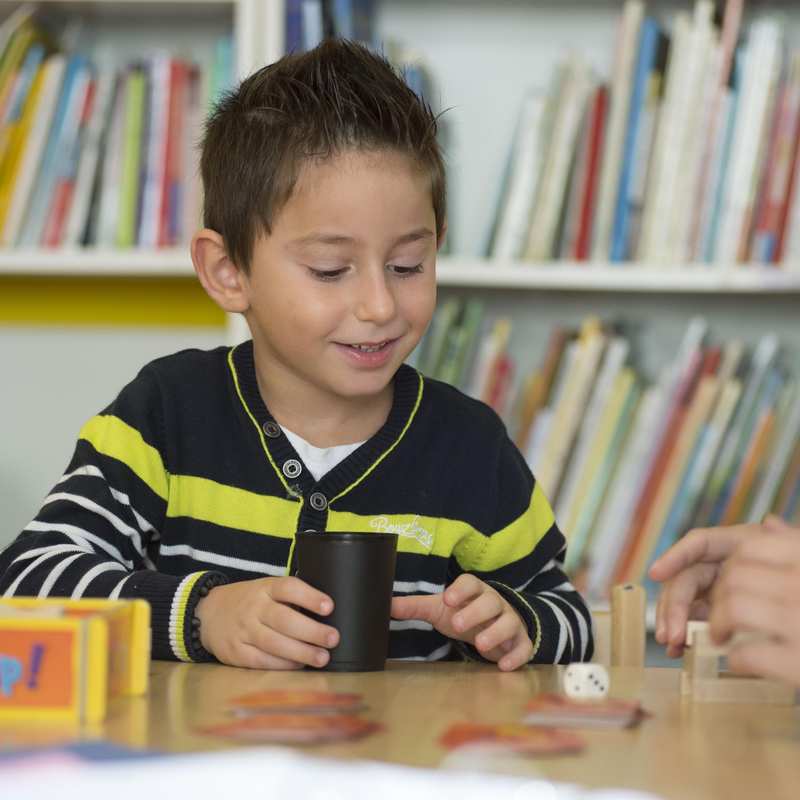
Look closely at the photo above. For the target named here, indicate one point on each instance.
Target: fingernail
(332, 639)
(325, 607)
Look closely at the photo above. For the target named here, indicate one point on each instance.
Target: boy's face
(343, 289)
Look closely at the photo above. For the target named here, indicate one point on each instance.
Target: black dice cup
(356, 570)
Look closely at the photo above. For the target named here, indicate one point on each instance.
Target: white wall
(51, 381)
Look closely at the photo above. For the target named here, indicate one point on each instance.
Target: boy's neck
(317, 419)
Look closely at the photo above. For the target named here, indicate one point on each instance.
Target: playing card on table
(561, 711)
(511, 737)
(279, 728)
(296, 701)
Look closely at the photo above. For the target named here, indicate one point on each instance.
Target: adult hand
(758, 592)
(688, 570)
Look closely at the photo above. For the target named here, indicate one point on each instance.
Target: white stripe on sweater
(224, 561)
(436, 655)
(546, 568)
(51, 548)
(96, 508)
(51, 551)
(91, 471)
(117, 589)
(415, 587)
(409, 624)
(79, 536)
(564, 629)
(97, 569)
(583, 629)
(56, 572)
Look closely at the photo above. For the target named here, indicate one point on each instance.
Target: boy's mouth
(371, 347)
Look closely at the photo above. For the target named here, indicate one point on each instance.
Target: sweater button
(318, 501)
(291, 468)
(271, 429)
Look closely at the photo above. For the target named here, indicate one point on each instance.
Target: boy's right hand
(252, 624)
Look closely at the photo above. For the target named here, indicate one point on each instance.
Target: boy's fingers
(462, 589)
(273, 643)
(252, 658)
(505, 628)
(519, 655)
(299, 593)
(416, 606)
(297, 625)
(481, 610)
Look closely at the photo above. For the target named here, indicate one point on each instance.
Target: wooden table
(684, 751)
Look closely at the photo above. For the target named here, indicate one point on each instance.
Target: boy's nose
(375, 302)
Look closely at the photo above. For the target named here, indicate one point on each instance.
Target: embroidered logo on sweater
(409, 530)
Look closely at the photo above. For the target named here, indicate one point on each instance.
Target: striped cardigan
(186, 480)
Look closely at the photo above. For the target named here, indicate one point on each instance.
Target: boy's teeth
(369, 348)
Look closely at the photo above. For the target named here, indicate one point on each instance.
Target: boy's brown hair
(314, 105)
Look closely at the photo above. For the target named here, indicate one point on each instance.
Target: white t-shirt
(319, 460)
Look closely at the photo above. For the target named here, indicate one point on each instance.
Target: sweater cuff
(173, 600)
(526, 611)
(529, 617)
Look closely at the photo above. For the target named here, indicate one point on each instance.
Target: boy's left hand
(471, 611)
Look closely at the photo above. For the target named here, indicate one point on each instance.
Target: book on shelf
(630, 465)
(96, 152)
(692, 157)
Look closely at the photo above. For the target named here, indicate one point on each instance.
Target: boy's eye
(327, 274)
(404, 272)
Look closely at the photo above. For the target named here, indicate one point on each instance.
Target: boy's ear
(442, 236)
(223, 281)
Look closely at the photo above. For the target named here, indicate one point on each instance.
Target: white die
(585, 681)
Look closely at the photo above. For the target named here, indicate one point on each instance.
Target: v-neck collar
(408, 387)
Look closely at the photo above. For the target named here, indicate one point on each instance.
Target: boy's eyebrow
(331, 238)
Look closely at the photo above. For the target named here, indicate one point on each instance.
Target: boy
(324, 210)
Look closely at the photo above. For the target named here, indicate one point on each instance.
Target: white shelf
(92, 262)
(454, 272)
(629, 277)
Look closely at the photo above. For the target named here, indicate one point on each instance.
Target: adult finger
(679, 595)
(702, 545)
(775, 548)
(735, 613)
(766, 658)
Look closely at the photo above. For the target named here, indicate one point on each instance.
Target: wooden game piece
(628, 603)
(702, 679)
(601, 634)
